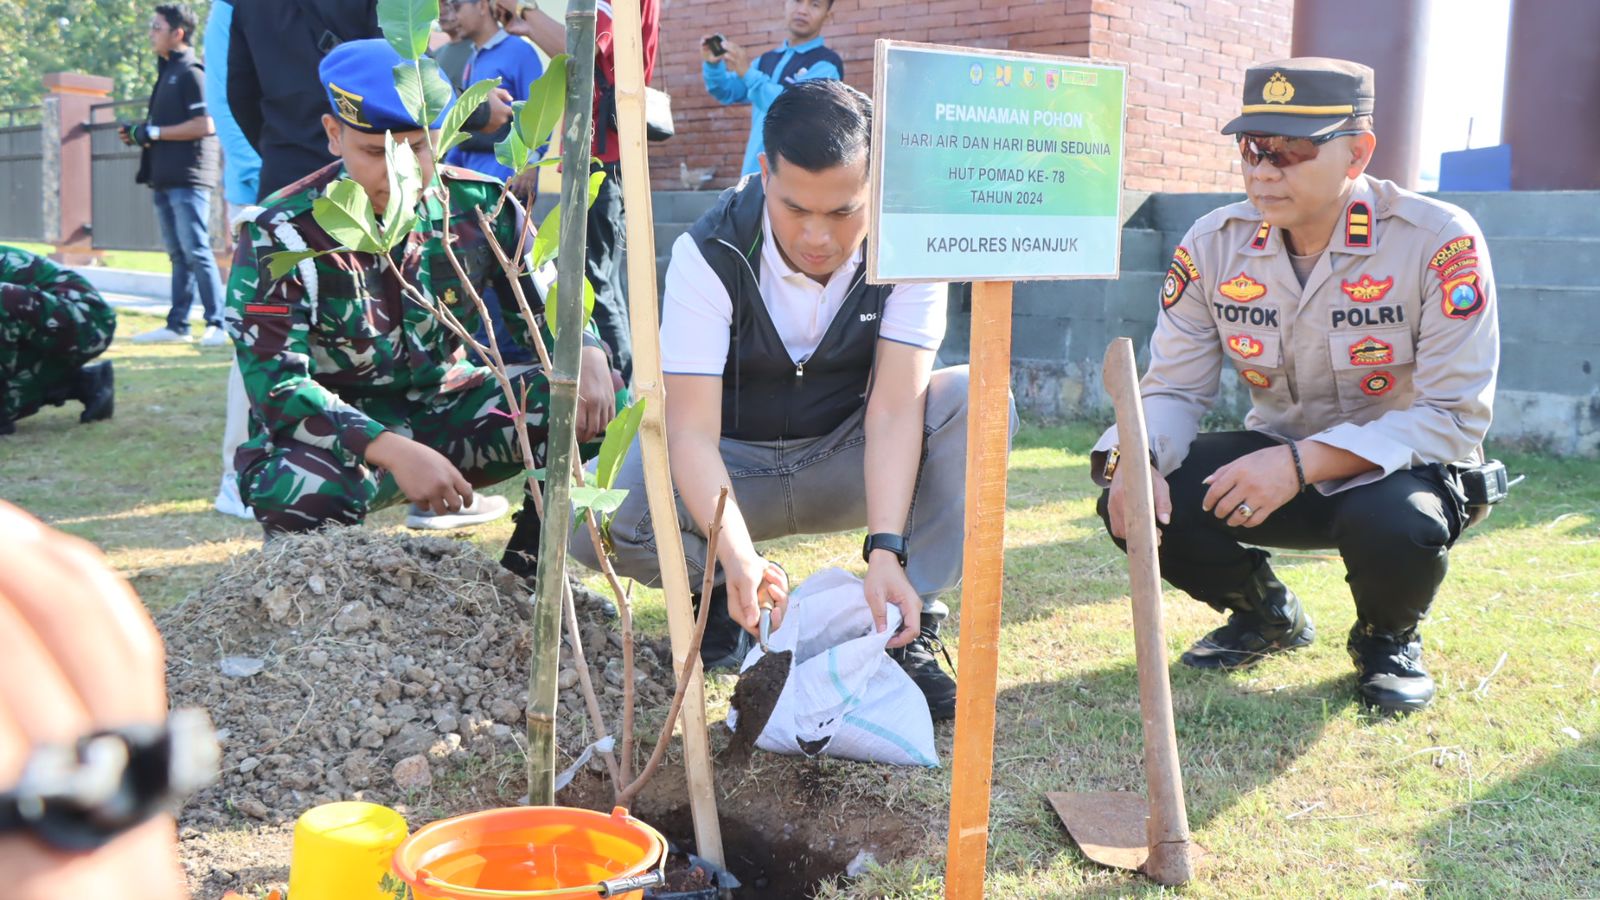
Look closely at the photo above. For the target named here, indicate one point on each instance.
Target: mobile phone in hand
(714, 44)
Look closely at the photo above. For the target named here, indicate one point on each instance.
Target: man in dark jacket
(179, 163)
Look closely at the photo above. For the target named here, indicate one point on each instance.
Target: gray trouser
(814, 486)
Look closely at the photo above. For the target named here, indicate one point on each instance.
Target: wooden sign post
(993, 168)
(647, 383)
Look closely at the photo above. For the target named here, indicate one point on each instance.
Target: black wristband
(1299, 469)
(893, 543)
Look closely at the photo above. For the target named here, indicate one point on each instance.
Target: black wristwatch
(883, 540)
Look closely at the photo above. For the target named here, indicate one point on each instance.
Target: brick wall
(1186, 60)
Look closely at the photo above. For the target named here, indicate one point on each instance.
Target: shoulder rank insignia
(1256, 379)
(1454, 256)
(1365, 289)
(1259, 242)
(1462, 297)
(1180, 274)
(1358, 225)
(1377, 384)
(1246, 346)
(1243, 288)
(1369, 351)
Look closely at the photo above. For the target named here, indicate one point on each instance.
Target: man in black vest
(810, 392)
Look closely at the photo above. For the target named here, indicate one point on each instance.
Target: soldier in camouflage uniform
(359, 398)
(52, 322)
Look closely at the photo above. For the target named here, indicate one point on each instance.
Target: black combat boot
(725, 644)
(95, 388)
(521, 556)
(920, 660)
(1266, 619)
(1389, 673)
(7, 426)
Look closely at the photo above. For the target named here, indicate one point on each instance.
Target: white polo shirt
(697, 313)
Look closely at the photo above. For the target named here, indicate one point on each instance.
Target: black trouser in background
(1394, 535)
(607, 234)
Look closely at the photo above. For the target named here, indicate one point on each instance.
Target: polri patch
(1464, 245)
(1246, 346)
(1259, 242)
(1255, 378)
(1243, 289)
(1377, 384)
(1180, 274)
(1369, 351)
(1462, 297)
(266, 309)
(1366, 289)
(1358, 225)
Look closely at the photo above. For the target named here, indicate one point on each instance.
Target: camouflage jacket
(28, 285)
(333, 353)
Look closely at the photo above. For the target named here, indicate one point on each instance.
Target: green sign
(994, 166)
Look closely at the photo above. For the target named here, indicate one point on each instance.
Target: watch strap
(883, 540)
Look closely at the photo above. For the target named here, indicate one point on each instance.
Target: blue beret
(358, 77)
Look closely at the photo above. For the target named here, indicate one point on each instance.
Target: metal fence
(22, 174)
(123, 212)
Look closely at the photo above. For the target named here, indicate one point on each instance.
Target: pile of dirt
(349, 664)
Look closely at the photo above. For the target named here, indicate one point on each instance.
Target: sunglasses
(1281, 151)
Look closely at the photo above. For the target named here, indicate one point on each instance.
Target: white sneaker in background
(162, 335)
(228, 501)
(484, 508)
(214, 337)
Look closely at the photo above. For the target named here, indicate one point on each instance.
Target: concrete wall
(1546, 250)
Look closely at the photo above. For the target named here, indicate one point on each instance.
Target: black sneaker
(1389, 673)
(725, 644)
(1266, 619)
(96, 388)
(920, 660)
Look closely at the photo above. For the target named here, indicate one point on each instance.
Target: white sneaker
(162, 335)
(484, 508)
(214, 337)
(228, 501)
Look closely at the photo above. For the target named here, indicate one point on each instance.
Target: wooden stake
(647, 383)
(983, 568)
(1168, 824)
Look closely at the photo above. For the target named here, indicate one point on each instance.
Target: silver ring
(1244, 510)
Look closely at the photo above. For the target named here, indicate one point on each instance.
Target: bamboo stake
(647, 383)
(563, 381)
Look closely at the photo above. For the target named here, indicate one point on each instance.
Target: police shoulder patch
(1463, 299)
(1180, 274)
(1463, 246)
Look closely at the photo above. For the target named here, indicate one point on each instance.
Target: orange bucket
(533, 853)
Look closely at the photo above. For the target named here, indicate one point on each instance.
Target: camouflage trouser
(44, 340)
(298, 487)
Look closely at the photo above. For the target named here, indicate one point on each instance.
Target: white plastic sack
(845, 697)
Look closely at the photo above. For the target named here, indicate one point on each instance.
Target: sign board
(994, 166)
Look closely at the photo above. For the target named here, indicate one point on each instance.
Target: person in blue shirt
(731, 78)
(498, 53)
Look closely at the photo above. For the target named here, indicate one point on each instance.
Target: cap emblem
(1277, 89)
(348, 106)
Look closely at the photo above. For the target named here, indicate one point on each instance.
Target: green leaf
(422, 89)
(550, 303)
(538, 117)
(345, 213)
(405, 189)
(619, 437)
(595, 180)
(602, 500)
(511, 152)
(407, 24)
(547, 241)
(466, 104)
(283, 262)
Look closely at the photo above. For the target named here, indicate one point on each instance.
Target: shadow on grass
(1534, 834)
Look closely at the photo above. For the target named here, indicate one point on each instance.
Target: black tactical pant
(1394, 534)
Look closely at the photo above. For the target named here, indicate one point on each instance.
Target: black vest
(768, 63)
(766, 395)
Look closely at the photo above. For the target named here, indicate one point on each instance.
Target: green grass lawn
(137, 260)
(1495, 792)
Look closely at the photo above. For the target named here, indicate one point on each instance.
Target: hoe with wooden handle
(1121, 829)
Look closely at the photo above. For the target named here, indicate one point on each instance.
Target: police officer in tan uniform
(1362, 319)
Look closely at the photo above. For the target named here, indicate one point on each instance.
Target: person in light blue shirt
(731, 78)
(498, 54)
(241, 166)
